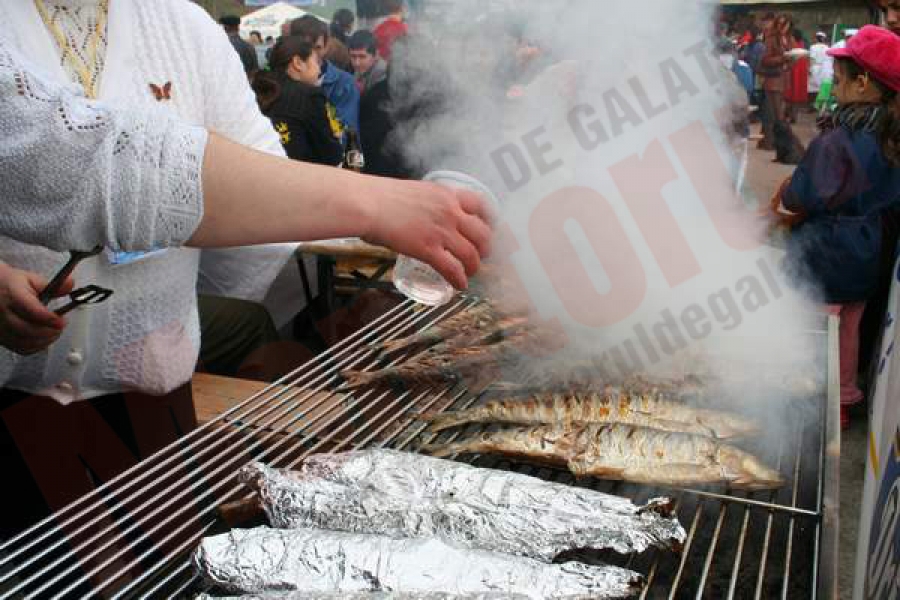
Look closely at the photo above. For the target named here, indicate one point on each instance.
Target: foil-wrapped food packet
(262, 560)
(408, 495)
(365, 596)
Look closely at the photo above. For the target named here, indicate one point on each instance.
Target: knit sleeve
(78, 174)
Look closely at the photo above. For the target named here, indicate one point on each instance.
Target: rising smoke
(616, 163)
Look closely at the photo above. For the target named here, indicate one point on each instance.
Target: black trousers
(51, 454)
(230, 331)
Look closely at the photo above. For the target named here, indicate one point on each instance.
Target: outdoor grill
(133, 537)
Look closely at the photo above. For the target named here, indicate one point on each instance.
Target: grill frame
(265, 426)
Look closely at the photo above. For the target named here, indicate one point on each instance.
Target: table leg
(304, 278)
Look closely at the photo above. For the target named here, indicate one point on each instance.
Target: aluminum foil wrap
(265, 560)
(365, 596)
(409, 495)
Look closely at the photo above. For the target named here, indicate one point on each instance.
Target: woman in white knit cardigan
(166, 56)
(202, 181)
(78, 174)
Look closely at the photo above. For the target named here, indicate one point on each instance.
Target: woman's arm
(252, 198)
(78, 174)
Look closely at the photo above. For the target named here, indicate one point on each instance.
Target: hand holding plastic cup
(417, 280)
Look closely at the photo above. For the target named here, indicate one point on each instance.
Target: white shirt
(146, 337)
(78, 156)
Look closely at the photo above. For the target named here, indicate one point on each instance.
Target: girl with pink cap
(847, 178)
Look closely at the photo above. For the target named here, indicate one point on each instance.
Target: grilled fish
(429, 369)
(588, 376)
(464, 328)
(452, 365)
(627, 453)
(613, 405)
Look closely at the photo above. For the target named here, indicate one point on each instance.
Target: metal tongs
(92, 294)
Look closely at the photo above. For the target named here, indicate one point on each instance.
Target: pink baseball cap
(876, 50)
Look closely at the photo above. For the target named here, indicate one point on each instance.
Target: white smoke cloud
(632, 107)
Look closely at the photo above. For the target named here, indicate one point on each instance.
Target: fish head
(744, 471)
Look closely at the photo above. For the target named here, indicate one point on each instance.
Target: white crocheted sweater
(146, 337)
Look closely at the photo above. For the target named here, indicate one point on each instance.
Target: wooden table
(214, 395)
(350, 265)
(307, 415)
(324, 418)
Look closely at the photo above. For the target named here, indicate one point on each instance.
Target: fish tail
(357, 379)
(439, 421)
(444, 450)
(389, 346)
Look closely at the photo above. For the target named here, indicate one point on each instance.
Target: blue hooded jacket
(341, 91)
(843, 184)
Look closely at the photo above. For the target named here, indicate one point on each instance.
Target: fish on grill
(625, 452)
(480, 363)
(265, 560)
(432, 369)
(586, 375)
(612, 405)
(465, 519)
(474, 325)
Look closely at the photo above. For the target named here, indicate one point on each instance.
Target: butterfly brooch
(162, 93)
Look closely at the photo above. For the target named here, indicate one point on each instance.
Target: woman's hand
(26, 325)
(448, 228)
(252, 198)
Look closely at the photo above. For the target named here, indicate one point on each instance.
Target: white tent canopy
(267, 21)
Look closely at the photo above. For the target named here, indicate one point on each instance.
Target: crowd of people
(840, 206)
(324, 86)
(781, 69)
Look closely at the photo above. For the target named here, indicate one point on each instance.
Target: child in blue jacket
(847, 178)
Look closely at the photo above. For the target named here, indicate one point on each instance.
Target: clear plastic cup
(415, 279)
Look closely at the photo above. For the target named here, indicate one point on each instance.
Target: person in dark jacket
(752, 54)
(368, 68)
(290, 96)
(232, 24)
(389, 114)
(339, 35)
(341, 27)
(339, 86)
(847, 178)
(377, 125)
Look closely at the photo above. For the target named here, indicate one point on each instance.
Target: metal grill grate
(133, 536)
